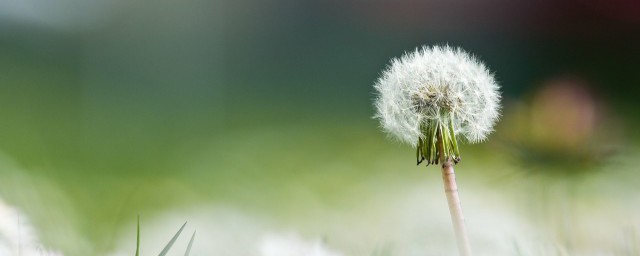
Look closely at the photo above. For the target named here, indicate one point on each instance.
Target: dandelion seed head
(437, 84)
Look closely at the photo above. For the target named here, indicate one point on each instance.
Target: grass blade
(190, 244)
(138, 238)
(173, 240)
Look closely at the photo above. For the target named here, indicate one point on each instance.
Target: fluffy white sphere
(437, 85)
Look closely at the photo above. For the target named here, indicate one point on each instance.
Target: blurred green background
(110, 109)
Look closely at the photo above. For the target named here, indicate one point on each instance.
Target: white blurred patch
(221, 231)
(293, 245)
(396, 221)
(18, 236)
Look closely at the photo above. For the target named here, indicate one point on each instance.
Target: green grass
(167, 247)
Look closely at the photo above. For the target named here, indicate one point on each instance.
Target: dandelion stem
(451, 190)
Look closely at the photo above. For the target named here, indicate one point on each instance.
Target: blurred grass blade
(173, 240)
(190, 244)
(138, 238)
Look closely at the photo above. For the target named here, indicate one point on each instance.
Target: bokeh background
(252, 120)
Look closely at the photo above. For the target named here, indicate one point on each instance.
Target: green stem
(433, 132)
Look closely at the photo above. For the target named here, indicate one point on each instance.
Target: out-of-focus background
(252, 120)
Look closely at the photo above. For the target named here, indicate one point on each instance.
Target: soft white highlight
(293, 245)
(18, 236)
(433, 84)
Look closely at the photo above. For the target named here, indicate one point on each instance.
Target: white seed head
(437, 84)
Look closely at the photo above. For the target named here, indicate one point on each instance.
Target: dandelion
(431, 97)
